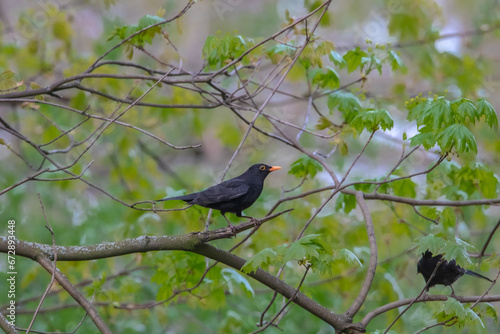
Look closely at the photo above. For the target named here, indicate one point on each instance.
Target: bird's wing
(223, 192)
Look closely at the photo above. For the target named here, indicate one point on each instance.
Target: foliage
(444, 122)
(310, 251)
(304, 167)
(337, 98)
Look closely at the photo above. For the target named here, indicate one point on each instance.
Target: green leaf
(486, 309)
(345, 201)
(354, 59)
(430, 242)
(439, 114)
(347, 256)
(473, 176)
(231, 275)
(329, 79)
(306, 248)
(465, 110)
(262, 259)
(426, 138)
(404, 188)
(337, 59)
(459, 251)
(278, 51)
(323, 123)
(305, 167)
(141, 39)
(6, 81)
(219, 50)
(311, 250)
(486, 109)
(404, 25)
(149, 20)
(372, 119)
(372, 63)
(448, 218)
(453, 308)
(347, 103)
(459, 137)
(325, 47)
(418, 109)
(395, 61)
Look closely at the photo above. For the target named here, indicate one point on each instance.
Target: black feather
(447, 272)
(234, 195)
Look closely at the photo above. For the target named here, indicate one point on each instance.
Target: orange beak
(273, 168)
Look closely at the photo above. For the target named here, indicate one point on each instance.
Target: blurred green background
(43, 42)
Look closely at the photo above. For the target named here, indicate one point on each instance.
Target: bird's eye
(262, 167)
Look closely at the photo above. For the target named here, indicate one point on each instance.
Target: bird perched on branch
(234, 195)
(447, 272)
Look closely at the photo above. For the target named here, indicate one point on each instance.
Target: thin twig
(270, 323)
(481, 254)
(54, 267)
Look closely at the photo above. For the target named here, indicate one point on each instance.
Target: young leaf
(418, 109)
(348, 256)
(453, 308)
(439, 112)
(430, 242)
(426, 138)
(329, 79)
(404, 188)
(458, 136)
(466, 110)
(396, 61)
(347, 103)
(262, 259)
(459, 252)
(337, 59)
(221, 49)
(373, 119)
(304, 167)
(353, 59)
(347, 202)
(486, 109)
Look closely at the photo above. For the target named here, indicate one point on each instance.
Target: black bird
(234, 195)
(447, 272)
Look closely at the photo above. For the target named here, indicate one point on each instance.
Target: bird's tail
(472, 273)
(185, 198)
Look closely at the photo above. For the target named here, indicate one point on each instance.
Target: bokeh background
(45, 41)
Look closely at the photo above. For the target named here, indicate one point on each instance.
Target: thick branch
(373, 258)
(5, 325)
(193, 242)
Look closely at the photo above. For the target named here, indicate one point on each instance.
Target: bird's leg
(255, 221)
(452, 292)
(231, 226)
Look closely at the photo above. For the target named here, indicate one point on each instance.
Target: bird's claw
(232, 228)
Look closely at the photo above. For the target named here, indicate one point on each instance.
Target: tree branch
(425, 298)
(193, 242)
(64, 282)
(356, 305)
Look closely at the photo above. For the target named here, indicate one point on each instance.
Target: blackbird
(447, 272)
(234, 195)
